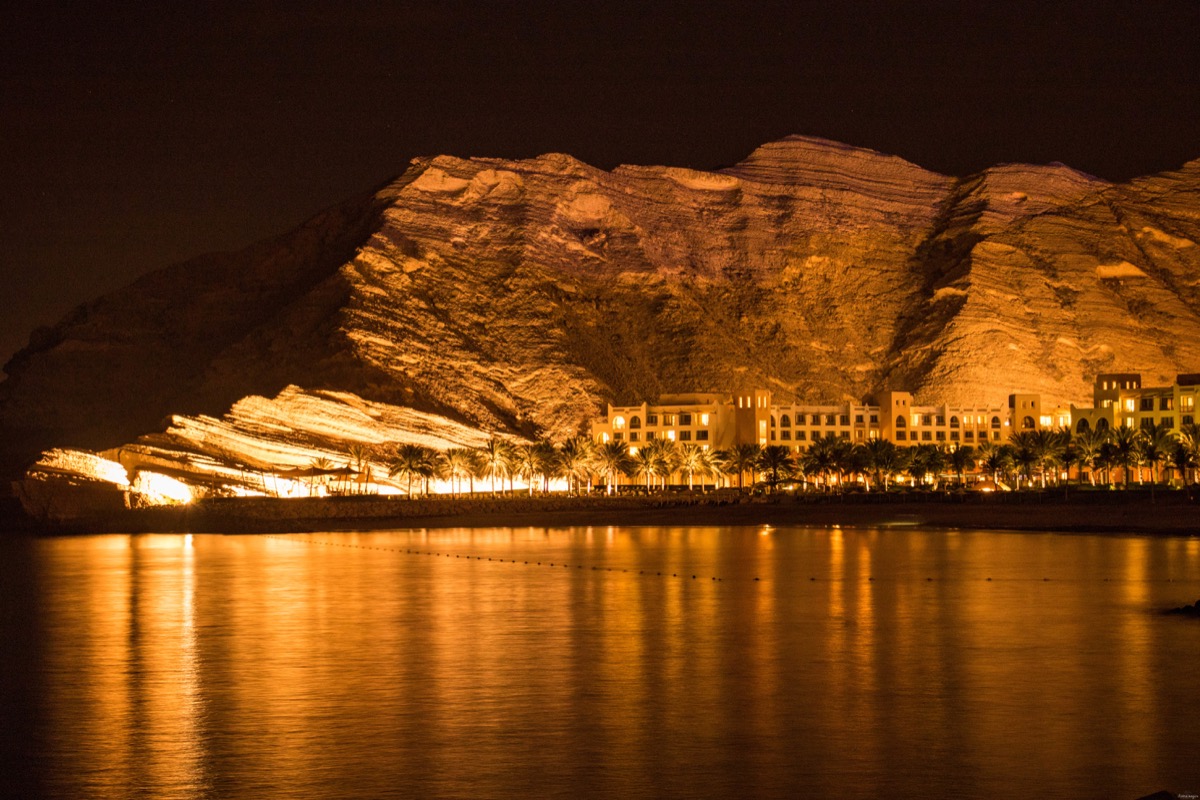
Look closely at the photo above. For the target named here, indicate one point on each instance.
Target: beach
(1135, 511)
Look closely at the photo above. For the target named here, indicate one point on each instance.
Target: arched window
(635, 422)
(1083, 426)
(954, 422)
(785, 421)
(901, 422)
(618, 423)
(1101, 424)
(1028, 424)
(995, 422)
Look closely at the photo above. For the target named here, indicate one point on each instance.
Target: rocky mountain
(520, 296)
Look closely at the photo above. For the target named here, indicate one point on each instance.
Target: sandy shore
(1116, 512)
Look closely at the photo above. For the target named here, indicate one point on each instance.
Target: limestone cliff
(522, 295)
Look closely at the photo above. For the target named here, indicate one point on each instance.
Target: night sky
(133, 139)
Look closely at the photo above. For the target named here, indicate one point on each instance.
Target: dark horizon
(140, 139)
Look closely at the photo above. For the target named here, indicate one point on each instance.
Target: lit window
(1129, 404)
(671, 435)
(1187, 403)
(704, 419)
(618, 423)
(1047, 421)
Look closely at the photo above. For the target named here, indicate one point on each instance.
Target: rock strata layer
(520, 296)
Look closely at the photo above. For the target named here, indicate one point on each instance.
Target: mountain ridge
(521, 295)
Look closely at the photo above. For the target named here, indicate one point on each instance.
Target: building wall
(712, 420)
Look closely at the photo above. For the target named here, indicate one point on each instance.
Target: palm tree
(643, 464)
(664, 454)
(574, 458)
(1105, 459)
(820, 459)
(962, 458)
(1087, 445)
(1125, 450)
(551, 468)
(460, 462)
(496, 461)
(1189, 441)
(884, 458)
(1154, 446)
(1025, 455)
(408, 461)
(776, 461)
(528, 462)
(841, 454)
(995, 460)
(613, 459)
(432, 466)
(320, 464)
(693, 459)
(739, 459)
(1047, 450)
(1182, 460)
(858, 461)
(359, 460)
(927, 459)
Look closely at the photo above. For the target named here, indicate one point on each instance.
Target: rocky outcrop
(521, 295)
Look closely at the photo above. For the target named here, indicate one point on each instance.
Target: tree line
(1037, 458)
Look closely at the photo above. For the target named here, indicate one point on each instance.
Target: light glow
(161, 490)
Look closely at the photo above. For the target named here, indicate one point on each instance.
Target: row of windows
(940, 436)
(829, 419)
(682, 418)
(1168, 422)
(681, 436)
(1164, 404)
(901, 436)
(901, 422)
(929, 419)
(1186, 403)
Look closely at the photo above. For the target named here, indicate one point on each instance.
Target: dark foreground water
(892, 663)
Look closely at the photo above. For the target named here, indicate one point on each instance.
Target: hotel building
(1120, 400)
(721, 421)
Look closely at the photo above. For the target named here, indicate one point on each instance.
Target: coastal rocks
(1186, 611)
(520, 296)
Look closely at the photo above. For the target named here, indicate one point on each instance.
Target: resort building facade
(1120, 400)
(721, 421)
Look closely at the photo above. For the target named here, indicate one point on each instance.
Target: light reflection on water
(847, 663)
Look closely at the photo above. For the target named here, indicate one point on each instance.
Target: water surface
(798, 662)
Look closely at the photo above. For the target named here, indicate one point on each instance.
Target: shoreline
(1174, 514)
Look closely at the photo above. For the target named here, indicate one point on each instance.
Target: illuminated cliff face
(519, 296)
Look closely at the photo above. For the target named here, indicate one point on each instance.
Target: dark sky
(135, 138)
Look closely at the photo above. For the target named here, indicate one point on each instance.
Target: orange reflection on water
(408, 664)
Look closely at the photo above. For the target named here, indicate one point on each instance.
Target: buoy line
(438, 554)
(642, 572)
